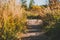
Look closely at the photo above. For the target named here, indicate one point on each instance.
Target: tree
(31, 3)
(24, 3)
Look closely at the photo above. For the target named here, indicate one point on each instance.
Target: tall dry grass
(12, 19)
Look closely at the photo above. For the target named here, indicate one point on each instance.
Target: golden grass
(12, 18)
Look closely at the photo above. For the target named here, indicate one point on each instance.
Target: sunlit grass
(12, 20)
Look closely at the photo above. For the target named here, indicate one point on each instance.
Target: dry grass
(12, 18)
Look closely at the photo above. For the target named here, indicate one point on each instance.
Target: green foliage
(24, 4)
(31, 4)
